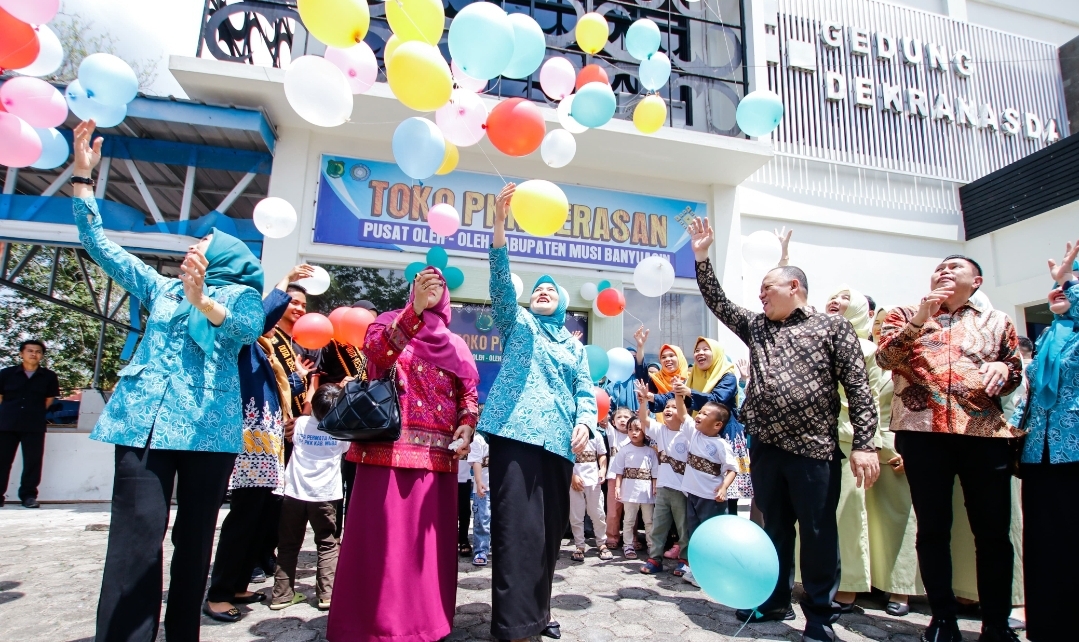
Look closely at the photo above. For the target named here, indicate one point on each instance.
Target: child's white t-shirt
(588, 471)
(478, 453)
(714, 450)
(671, 444)
(642, 459)
(618, 441)
(464, 471)
(313, 473)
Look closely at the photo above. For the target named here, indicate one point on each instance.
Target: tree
(386, 289)
(74, 33)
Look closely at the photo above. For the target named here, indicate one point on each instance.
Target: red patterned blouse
(434, 402)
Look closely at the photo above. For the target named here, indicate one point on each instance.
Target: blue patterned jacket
(1061, 422)
(170, 393)
(543, 389)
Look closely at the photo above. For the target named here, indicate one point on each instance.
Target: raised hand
(302, 271)
(701, 237)
(1063, 273)
(304, 367)
(742, 365)
(192, 274)
(784, 236)
(577, 334)
(87, 155)
(502, 203)
(427, 294)
(641, 337)
(931, 303)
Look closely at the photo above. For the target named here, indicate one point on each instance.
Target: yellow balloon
(592, 32)
(391, 46)
(449, 161)
(650, 114)
(419, 76)
(539, 207)
(416, 19)
(338, 23)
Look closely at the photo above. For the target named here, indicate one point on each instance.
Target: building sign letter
(835, 86)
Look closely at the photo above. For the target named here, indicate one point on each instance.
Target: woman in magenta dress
(397, 571)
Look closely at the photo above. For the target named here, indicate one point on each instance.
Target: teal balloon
(437, 257)
(734, 561)
(54, 149)
(594, 104)
(603, 285)
(413, 269)
(481, 40)
(759, 113)
(598, 363)
(654, 74)
(418, 147)
(642, 39)
(455, 278)
(529, 47)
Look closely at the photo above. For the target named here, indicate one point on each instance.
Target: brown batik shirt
(797, 366)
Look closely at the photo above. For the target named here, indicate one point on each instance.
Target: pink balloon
(463, 119)
(19, 143)
(466, 82)
(358, 63)
(34, 12)
(443, 219)
(35, 101)
(557, 78)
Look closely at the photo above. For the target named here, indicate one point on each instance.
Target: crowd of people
(217, 399)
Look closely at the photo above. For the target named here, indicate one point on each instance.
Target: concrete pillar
(279, 255)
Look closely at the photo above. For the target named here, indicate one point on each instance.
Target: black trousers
(791, 489)
(253, 513)
(348, 482)
(33, 454)
(464, 511)
(1050, 557)
(129, 607)
(933, 461)
(529, 514)
(698, 511)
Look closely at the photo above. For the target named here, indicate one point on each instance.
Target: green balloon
(437, 257)
(455, 278)
(413, 269)
(603, 285)
(598, 362)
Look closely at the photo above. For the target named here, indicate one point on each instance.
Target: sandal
(629, 553)
(605, 553)
(464, 550)
(479, 560)
(651, 567)
(681, 569)
(297, 598)
(578, 555)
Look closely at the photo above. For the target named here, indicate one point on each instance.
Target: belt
(703, 465)
(486, 462)
(586, 457)
(677, 465)
(637, 473)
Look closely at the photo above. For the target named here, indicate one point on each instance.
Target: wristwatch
(83, 180)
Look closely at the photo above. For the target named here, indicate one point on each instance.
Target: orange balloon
(312, 331)
(335, 318)
(603, 401)
(592, 73)
(18, 42)
(353, 326)
(515, 127)
(611, 302)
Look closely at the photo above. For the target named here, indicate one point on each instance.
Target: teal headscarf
(554, 324)
(1051, 347)
(230, 262)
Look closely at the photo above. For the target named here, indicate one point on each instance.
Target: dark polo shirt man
(26, 392)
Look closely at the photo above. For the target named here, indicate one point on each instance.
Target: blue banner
(366, 203)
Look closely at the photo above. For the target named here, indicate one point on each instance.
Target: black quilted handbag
(366, 411)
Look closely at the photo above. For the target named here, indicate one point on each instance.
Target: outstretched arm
(732, 315)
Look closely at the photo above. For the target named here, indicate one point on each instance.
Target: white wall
(75, 469)
(1055, 21)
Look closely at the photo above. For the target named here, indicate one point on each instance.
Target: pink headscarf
(435, 343)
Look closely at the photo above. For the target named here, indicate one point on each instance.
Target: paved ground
(50, 572)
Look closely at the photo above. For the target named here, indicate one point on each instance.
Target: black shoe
(845, 608)
(942, 631)
(898, 609)
(1, 502)
(778, 615)
(231, 615)
(998, 634)
(553, 630)
(254, 598)
(818, 633)
(30, 502)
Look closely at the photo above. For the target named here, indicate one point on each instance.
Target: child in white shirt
(635, 468)
(586, 495)
(616, 439)
(478, 455)
(312, 485)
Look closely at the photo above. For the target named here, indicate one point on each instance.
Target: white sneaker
(688, 577)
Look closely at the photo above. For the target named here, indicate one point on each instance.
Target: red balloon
(352, 328)
(515, 127)
(335, 318)
(591, 73)
(312, 331)
(611, 302)
(603, 401)
(18, 42)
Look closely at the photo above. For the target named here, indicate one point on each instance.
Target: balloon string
(504, 181)
(420, 31)
(744, 624)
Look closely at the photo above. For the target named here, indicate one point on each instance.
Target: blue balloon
(108, 79)
(413, 269)
(598, 362)
(529, 47)
(54, 149)
(437, 257)
(455, 278)
(86, 108)
(642, 39)
(759, 113)
(481, 40)
(655, 71)
(621, 365)
(603, 285)
(594, 104)
(734, 561)
(418, 147)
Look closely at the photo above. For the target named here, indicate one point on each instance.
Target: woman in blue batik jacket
(540, 411)
(175, 414)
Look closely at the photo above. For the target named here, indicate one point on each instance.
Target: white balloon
(653, 276)
(558, 148)
(318, 283)
(762, 250)
(466, 82)
(596, 311)
(589, 291)
(318, 91)
(568, 122)
(49, 56)
(275, 217)
(518, 284)
(623, 365)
